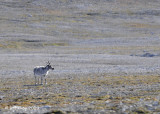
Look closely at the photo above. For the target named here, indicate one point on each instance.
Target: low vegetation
(96, 92)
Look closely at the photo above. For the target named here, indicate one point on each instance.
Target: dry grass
(23, 45)
(18, 94)
(10, 44)
(124, 80)
(141, 25)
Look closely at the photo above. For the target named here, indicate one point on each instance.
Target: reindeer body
(41, 72)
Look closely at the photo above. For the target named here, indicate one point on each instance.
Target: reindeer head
(49, 66)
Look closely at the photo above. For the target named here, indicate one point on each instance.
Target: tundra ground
(106, 55)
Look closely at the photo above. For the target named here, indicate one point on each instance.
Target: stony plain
(106, 55)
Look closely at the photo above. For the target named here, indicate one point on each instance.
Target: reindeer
(41, 71)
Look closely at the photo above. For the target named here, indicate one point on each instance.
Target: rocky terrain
(106, 55)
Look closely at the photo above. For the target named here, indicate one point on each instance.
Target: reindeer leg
(35, 81)
(41, 80)
(45, 81)
(38, 80)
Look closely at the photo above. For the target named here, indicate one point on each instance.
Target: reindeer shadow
(32, 85)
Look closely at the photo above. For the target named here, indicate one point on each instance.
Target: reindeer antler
(48, 63)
